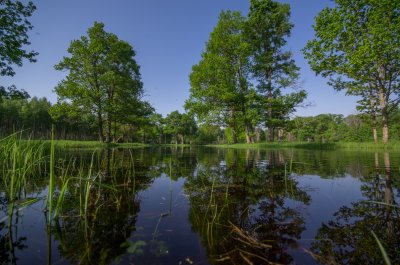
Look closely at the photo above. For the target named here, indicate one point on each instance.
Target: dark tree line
(35, 117)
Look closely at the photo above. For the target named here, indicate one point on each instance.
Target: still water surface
(210, 206)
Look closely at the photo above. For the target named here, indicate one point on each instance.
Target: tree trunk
(249, 139)
(100, 120)
(108, 132)
(257, 135)
(280, 134)
(271, 135)
(383, 100)
(373, 106)
(374, 131)
(234, 136)
(385, 117)
(269, 110)
(96, 86)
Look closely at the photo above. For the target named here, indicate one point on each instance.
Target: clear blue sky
(168, 36)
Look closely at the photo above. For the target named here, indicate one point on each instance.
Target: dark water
(210, 206)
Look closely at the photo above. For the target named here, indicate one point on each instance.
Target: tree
(14, 27)
(72, 123)
(356, 46)
(267, 29)
(220, 91)
(180, 125)
(12, 93)
(103, 78)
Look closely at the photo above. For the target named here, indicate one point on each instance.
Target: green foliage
(209, 133)
(23, 114)
(267, 30)
(321, 128)
(220, 90)
(239, 52)
(12, 92)
(103, 79)
(14, 28)
(356, 46)
(180, 126)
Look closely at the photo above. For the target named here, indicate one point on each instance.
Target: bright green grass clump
(20, 160)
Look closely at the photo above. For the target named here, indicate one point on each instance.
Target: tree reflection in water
(245, 206)
(242, 207)
(348, 238)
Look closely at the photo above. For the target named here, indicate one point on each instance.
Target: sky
(168, 37)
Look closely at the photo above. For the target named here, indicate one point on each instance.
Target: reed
(51, 178)
(382, 249)
(20, 161)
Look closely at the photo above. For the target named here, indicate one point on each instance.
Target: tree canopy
(14, 28)
(103, 78)
(356, 46)
(220, 88)
(238, 82)
(267, 30)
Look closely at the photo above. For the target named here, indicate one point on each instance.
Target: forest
(245, 89)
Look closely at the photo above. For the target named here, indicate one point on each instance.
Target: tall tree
(267, 30)
(220, 90)
(123, 86)
(103, 77)
(357, 46)
(14, 27)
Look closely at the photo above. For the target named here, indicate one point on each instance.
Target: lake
(192, 205)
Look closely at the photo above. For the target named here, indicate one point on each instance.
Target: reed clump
(21, 160)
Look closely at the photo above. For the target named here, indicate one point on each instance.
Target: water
(210, 206)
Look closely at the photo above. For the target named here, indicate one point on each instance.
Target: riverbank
(89, 144)
(393, 145)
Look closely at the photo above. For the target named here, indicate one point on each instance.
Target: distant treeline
(35, 117)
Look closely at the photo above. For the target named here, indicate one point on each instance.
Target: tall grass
(51, 179)
(19, 161)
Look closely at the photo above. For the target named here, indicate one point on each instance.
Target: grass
(87, 144)
(20, 162)
(24, 160)
(317, 146)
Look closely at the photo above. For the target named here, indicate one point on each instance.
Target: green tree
(72, 123)
(267, 30)
(180, 125)
(209, 134)
(220, 91)
(103, 78)
(12, 92)
(356, 46)
(14, 27)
